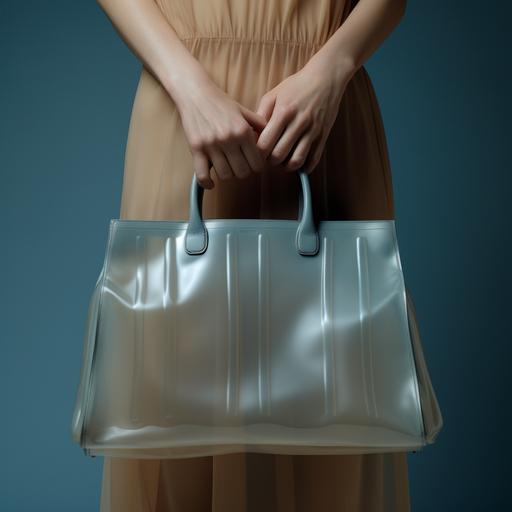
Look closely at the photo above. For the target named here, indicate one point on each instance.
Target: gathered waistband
(249, 40)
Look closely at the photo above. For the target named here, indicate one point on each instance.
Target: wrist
(336, 65)
(185, 80)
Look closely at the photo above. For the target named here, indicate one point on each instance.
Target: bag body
(273, 336)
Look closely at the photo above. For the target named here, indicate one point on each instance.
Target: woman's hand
(220, 131)
(300, 112)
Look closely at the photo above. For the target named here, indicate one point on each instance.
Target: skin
(293, 119)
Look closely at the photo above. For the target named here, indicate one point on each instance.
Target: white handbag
(276, 336)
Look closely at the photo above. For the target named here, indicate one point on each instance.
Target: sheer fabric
(248, 47)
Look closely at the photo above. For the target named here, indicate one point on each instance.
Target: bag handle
(306, 239)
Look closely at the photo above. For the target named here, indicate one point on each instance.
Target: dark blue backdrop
(67, 86)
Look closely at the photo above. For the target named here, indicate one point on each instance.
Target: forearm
(146, 31)
(363, 31)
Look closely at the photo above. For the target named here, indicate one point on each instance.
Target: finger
(257, 121)
(266, 105)
(236, 159)
(202, 170)
(252, 154)
(220, 164)
(300, 153)
(271, 133)
(288, 139)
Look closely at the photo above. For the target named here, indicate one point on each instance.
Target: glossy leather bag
(228, 335)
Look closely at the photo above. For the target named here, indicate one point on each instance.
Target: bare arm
(303, 108)
(364, 30)
(143, 27)
(219, 130)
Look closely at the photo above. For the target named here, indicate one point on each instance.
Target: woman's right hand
(220, 131)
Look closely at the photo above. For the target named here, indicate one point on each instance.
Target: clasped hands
(289, 127)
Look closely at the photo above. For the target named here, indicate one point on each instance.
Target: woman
(243, 93)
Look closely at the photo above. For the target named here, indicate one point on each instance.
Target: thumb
(266, 105)
(257, 121)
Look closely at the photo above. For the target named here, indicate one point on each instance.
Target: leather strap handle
(306, 239)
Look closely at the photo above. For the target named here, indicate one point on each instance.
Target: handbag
(207, 337)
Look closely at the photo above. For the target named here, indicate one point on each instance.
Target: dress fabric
(247, 47)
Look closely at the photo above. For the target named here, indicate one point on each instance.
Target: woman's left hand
(300, 112)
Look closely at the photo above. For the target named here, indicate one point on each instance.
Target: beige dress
(248, 47)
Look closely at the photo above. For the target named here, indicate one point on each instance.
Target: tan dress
(248, 47)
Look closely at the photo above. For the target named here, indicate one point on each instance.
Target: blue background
(66, 90)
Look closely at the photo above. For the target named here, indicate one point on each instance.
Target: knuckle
(241, 131)
(288, 109)
(224, 174)
(283, 111)
(223, 136)
(195, 144)
(202, 180)
(306, 119)
(206, 142)
(263, 143)
(296, 161)
(278, 154)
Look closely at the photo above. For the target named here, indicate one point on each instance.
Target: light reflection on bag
(276, 336)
